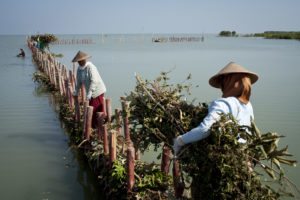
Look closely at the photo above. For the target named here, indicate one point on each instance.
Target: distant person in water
(22, 54)
(88, 75)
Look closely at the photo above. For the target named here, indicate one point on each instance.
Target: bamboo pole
(178, 184)
(77, 109)
(100, 120)
(119, 120)
(85, 105)
(126, 122)
(65, 72)
(54, 75)
(49, 71)
(67, 92)
(104, 107)
(71, 78)
(130, 168)
(166, 159)
(105, 143)
(66, 81)
(63, 85)
(46, 68)
(108, 109)
(71, 96)
(112, 148)
(89, 121)
(61, 92)
(138, 155)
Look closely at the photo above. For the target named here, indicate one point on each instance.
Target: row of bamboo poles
(64, 81)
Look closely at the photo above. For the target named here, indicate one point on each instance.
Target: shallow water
(35, 160)
(34, 156)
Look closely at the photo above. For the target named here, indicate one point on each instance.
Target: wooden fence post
(67, 89)
(61, 92)
(100, 120)
(178, 184)
(85, 105)
(89, 121)
(108, 109)
(126, 122)
(77, 109)
(54, 75)
(112, 148)
(118, 120)
(166, 159)
(104, 107)
(72, 79)
(130, 168)
(49, 71)
(71, 96)
(137, 154)
(105, 144)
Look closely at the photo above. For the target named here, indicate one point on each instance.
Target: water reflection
(87, 179)
(74, 158)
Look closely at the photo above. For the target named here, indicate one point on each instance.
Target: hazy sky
(147, 16)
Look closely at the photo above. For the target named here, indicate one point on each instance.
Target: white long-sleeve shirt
(242, 112)
(91, 79)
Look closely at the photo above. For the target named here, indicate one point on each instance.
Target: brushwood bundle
(158, 112)
(220, 166)
(44, 39)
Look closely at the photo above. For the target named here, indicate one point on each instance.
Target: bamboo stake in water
(138, 155)
(108, 109)
(126, 122)
(85, 105)
(54, 76)
(105, 144)
(61, 92)
(119, 120)
(112, 148)
(130, 168)
(89, 121)
(178, 184)
(77, 109)
(166, 159)
(71, 96)
(100, 120)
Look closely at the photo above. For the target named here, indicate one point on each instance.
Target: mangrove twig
(82, 143)
(179, 125)
(287, 179)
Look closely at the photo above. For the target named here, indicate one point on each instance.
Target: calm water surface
(35, 163)
(35, 160)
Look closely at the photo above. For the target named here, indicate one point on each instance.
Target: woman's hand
(178, 143)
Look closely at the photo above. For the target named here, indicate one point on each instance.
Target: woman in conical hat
(88, 75)
(235, 83)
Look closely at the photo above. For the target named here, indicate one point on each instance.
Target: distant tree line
(228, 34)
(291, 35)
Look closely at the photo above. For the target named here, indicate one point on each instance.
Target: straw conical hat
(231, 68)
(80, 56)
